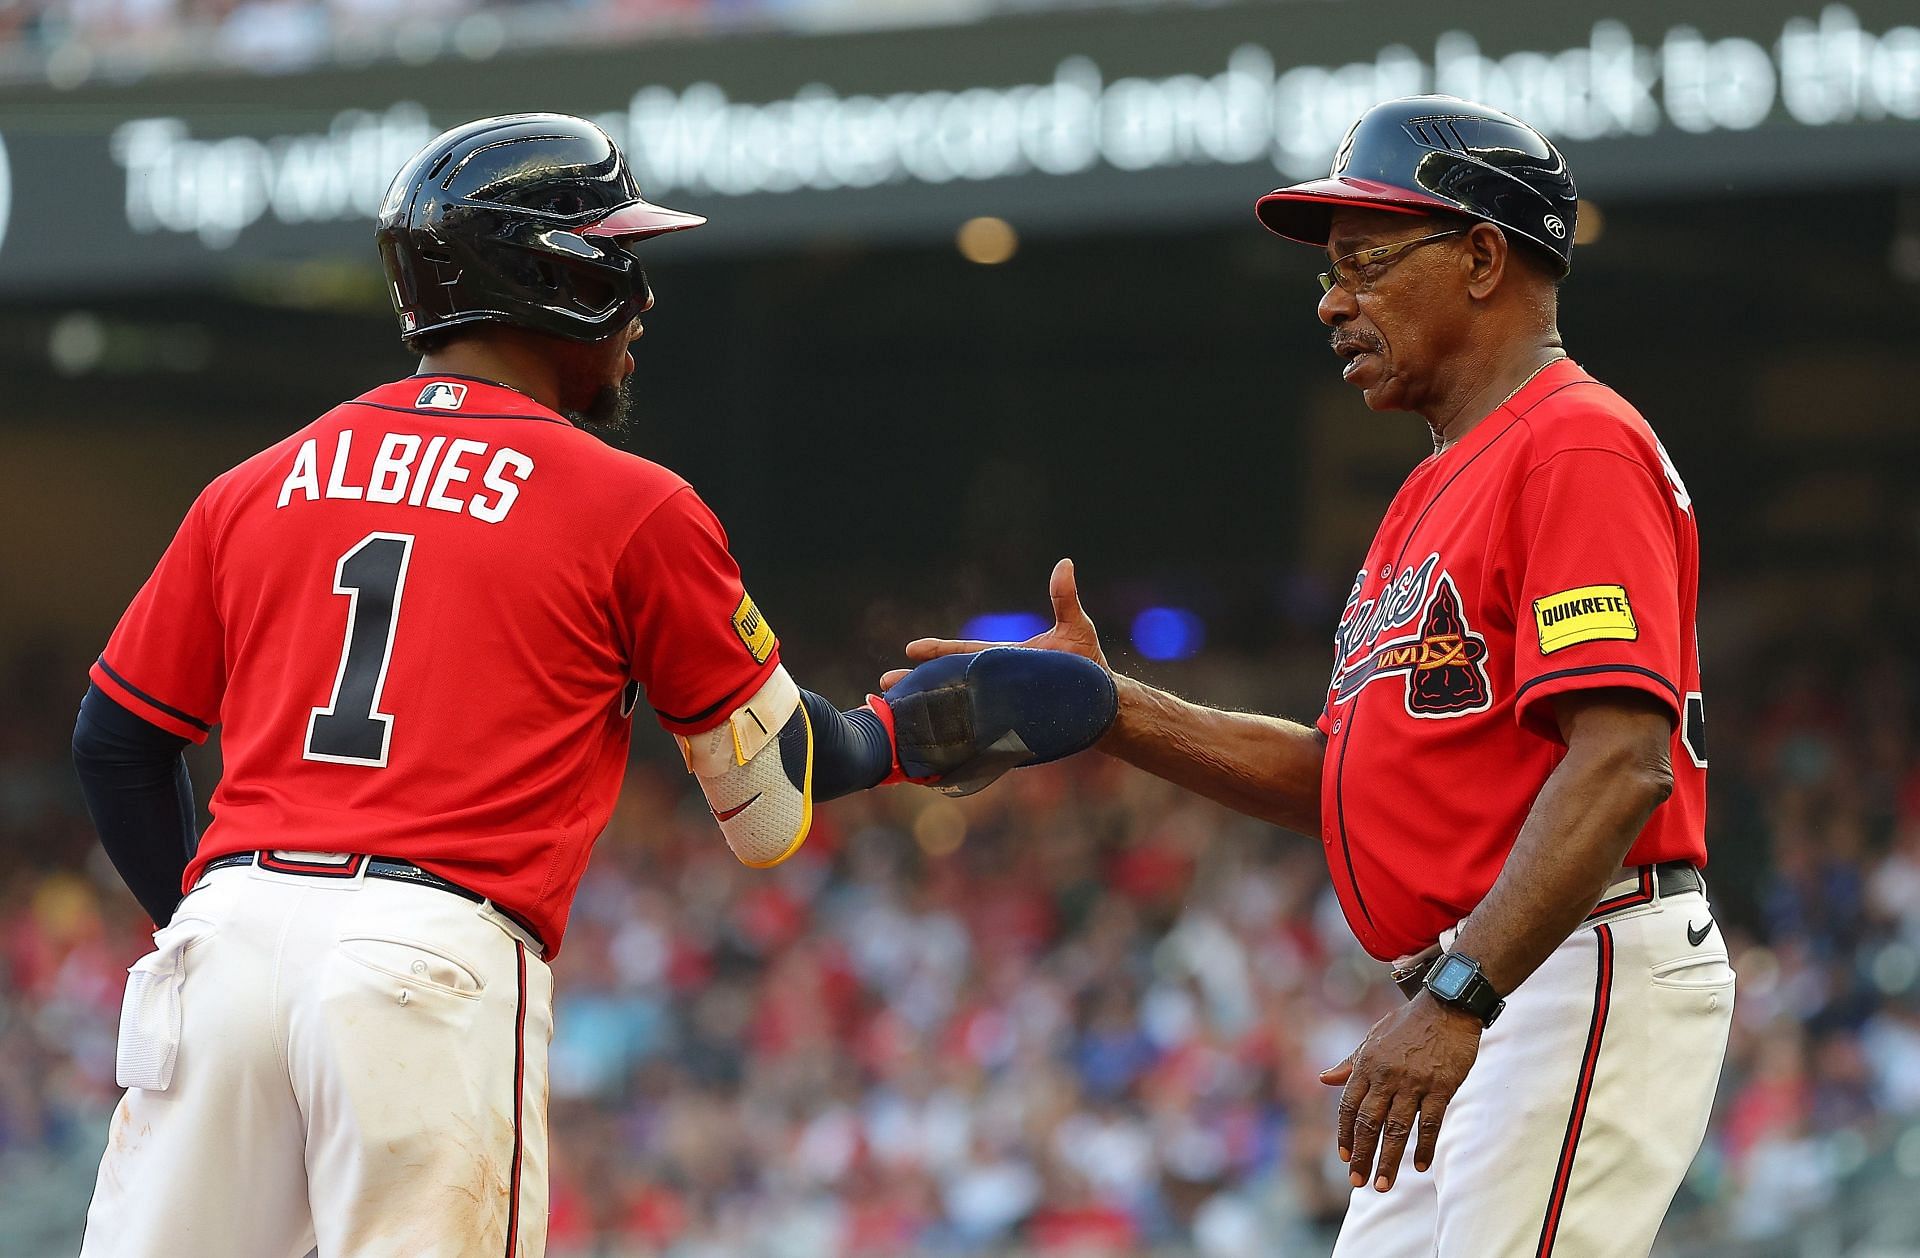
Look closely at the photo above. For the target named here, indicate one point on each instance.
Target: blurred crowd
(1079, 1014)
(68, 39)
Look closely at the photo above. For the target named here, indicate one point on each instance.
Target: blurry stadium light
(987, 241)
(1895, 969)
(1589, 224)
(76, 343)
(1168, 633)
(417, 43)
(1004, 626)
(479, 36)
(81, 343)
(1906, 1153)
(69, 65)
(940, 828)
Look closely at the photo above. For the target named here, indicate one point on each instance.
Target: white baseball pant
(1585, 1107)
(346, 1063)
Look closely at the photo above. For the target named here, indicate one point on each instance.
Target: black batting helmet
(523, 219)
(1427, 154)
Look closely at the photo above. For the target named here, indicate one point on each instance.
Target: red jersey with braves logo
(423, 622)
(1551, 549)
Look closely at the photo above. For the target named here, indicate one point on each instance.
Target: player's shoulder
(1579, 412)
(639, 486)
(598, 474)
(227, 492)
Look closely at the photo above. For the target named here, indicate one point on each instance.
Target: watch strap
(1476, 996)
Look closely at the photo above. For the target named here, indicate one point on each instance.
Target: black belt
(375, 867)
(1652, 882)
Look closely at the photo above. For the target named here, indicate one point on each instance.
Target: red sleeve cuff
(1534, 712)
(145, 706)
(720, 709)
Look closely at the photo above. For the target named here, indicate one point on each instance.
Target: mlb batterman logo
(442, 396)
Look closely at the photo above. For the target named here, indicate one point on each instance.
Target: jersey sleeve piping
(704, 720)
(421, 410)
(1623, 455)
(1591, 448)
(1551, 440)
(1527, 701)
(140, 703)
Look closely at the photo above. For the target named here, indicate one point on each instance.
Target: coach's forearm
(1262, 766)
(1580, 829)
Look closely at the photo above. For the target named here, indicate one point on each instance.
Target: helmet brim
(1303, 212)
(641, 220)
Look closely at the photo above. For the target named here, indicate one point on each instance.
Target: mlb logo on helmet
(443, 396)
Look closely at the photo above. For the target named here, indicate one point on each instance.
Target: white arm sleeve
(750, 780)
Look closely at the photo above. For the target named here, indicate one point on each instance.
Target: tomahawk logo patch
(1443, 661)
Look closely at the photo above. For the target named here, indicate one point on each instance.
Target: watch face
(1450, 977)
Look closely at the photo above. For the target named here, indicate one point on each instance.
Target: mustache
(1343, 337)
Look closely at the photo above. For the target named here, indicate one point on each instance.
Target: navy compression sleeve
(135, 782)
(851, 750)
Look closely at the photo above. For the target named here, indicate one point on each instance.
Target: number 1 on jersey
(352, 729)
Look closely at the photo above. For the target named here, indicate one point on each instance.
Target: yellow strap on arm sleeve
(762, 812)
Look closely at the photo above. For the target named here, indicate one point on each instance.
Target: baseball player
(1509, 776)
(423, 622)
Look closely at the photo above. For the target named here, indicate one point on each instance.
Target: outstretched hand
(1072, 630)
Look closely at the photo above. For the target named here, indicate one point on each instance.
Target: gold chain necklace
(1440, 446)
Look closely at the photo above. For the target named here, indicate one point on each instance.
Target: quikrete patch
(755, 633)
(1588, 613)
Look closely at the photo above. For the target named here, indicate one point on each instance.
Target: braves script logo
(1443, 660)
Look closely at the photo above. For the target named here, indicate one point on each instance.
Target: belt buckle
(347, 869)
(1410, 973)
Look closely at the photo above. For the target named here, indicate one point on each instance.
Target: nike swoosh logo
(1696, 937)
(731, 813)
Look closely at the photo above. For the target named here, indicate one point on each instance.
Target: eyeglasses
(1363, 266)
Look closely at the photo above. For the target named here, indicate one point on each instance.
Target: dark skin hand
(1262, 766)
(1586, 817)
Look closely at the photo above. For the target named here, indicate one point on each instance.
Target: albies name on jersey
(403, 472)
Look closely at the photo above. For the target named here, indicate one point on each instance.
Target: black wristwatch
(1456, 980)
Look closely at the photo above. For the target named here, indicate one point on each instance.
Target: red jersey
(423, 622)
(1551, 549)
